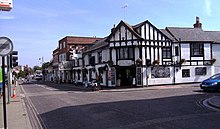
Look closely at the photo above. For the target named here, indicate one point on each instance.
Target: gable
(148, 31)
(123, 31)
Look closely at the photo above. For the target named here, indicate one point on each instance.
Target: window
(176, 51)
(123, 53)
(200, 71)
(60, 45)
(166, 53)
(197, 49)
(131, 53)
(64, 44)
(185, 73)
(100, 57)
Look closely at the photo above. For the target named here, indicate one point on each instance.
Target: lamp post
(42, 60)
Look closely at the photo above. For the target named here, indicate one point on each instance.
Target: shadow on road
(166, 113)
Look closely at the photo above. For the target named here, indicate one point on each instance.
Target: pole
(3, 92)
(9, 78)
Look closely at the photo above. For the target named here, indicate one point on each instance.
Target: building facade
(63, 56)
(143, 55)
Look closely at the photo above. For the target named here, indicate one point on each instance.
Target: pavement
(18, 117)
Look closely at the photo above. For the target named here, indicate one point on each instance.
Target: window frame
(167, 51)
(197, 48)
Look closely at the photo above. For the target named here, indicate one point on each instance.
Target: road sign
(6, 46)
(5, 5)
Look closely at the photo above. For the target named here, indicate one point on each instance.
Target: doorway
(125, 75)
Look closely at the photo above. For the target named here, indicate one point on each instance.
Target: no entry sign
(6, 46)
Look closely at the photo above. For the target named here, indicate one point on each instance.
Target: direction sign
(6, 46)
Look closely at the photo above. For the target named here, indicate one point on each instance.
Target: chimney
(197, 24)
(113, 28)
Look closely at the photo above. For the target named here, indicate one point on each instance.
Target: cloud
(6, 17)
(208, 4)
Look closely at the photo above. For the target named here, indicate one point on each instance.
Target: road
(166, 107)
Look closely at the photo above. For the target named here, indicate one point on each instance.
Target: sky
(36, 26)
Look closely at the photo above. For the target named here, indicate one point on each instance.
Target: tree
(36, 68)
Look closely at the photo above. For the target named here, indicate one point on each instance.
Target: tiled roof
(215, 35)
(97, 45)
(167, 34)
(72, 40)
(189, 34)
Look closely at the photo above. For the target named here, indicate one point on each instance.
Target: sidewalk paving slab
(17, 117)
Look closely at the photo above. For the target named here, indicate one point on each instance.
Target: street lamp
(42, 60)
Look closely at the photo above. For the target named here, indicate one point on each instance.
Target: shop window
(185, 73)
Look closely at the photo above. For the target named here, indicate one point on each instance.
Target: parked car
(212, 83)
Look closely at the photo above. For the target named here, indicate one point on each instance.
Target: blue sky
(36, 26)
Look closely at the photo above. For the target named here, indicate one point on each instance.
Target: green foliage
(21, 74)
(37, 68)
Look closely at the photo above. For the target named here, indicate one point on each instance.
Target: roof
(188, 34)
(97, 45)
(79, 40)
(130, 28)
(215, 35)
(170, 36)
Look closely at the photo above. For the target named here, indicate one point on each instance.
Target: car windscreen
(217, 76)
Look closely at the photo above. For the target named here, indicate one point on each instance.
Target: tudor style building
(143, 55)
(137, 51)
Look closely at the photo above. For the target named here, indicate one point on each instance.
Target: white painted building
(143, 55)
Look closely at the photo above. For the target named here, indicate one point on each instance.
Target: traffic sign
(6, 46)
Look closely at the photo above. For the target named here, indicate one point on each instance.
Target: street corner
(212, 103)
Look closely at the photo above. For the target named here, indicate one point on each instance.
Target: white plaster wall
(114, 56)
(129, 37)
(216, 55)
(151, 33)
(105, 55)
(144, 76)
(117, 35)
(147, 31)
(185, 51)
(86, 59)
(136, 53)
(122, 32)
(155, 34)
(143, 32)
(207, 51)
(193, 77)
(148, 55)
(143, 56)
(159, 81)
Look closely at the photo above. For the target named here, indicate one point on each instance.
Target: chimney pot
(197, 24)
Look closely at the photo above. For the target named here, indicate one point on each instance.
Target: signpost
(6, 47)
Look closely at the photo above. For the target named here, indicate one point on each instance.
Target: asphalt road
(175, 107)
